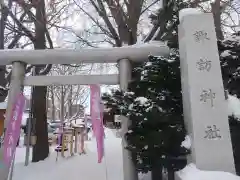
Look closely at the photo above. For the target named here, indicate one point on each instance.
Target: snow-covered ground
(84, 167)
(192, 173)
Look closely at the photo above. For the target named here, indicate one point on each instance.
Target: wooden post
(63, 144)
(82, 150)
(76, 140)
(71, 142)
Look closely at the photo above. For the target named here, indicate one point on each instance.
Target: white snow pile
(233, 106)
(190, 172)
(235, 38)
(226, 53)
(142, 101)
(25, 116)
(146, 176)
(187, 142)
(150, 43)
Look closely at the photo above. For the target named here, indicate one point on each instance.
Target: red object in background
(97, 119)
(13, 130)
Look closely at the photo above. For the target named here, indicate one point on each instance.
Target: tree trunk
(156, 172)
(3, 80)
(62, 104)
(70, 114)
(216, 10)
(53, 104)
(170, 174)
(235, 135)
(41, 149)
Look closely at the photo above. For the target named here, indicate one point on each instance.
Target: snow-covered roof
(138, 52)
(3, 105)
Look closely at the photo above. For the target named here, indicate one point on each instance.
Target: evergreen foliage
(155, 106)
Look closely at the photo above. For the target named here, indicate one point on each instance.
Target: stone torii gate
(204, 102)
(122, 56)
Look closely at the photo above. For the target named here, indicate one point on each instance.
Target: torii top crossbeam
(76, 56)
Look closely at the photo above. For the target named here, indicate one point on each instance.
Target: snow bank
(187, 142)
(146, 176)
(233, 106)
(190, 172)
(187, 12)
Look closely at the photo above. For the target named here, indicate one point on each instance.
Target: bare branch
(149, 6)
(20, 25)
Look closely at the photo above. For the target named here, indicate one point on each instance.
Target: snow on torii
(138, 52)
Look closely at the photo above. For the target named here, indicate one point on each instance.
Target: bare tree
(69, 100)
(27, 23)
(225, 13)
(117, 21)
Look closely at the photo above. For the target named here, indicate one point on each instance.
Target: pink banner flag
(97, 119)
(13, 130)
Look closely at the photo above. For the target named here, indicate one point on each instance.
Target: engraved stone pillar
(205, 107)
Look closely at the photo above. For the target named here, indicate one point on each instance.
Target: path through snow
(78, 167)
